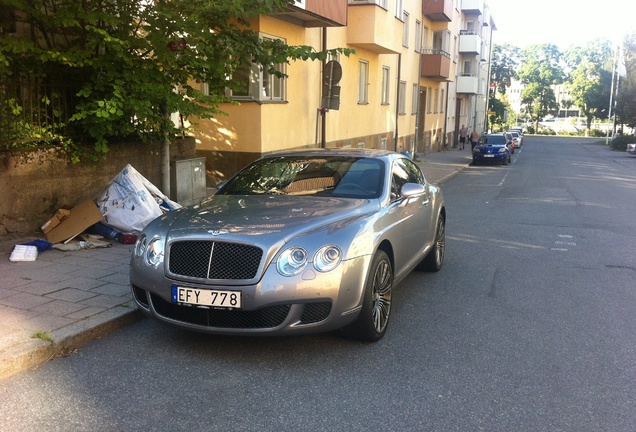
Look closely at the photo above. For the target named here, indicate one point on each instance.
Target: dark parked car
(298, 242)
(495, 147)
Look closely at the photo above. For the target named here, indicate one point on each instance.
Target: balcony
(316, 13)
(438, 10)
(469, 42)
(374, 28)
(473, 7)
(435, 64)
(468, 84)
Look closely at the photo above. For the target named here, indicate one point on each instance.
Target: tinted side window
(404, 171)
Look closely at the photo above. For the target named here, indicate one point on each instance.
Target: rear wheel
(435, 258)
(373, 319)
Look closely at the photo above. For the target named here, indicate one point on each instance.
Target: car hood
(242, 217)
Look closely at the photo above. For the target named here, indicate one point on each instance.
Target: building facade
(420, 71)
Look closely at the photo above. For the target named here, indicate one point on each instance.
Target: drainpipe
(323, 112)
(446, 114)
(488, 83)
(417, 114)
(397, 97)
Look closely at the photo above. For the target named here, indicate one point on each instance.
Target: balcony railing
(438, 10)
(469, 42)
(372, 27)
(435, 64)
(473, 7)
(468, 84)
(316, 13)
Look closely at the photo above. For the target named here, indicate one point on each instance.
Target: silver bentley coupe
(296, 242)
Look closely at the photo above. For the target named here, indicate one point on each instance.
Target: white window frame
(363, 82)
(399, 9)
(263, 86)
(405, 29)
(418, 36)
(386, 85)
(416, 93)
(402, 102)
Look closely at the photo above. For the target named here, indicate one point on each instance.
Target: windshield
(494, 139)
(342, 176)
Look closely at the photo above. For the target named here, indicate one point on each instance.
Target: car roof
(333, 151)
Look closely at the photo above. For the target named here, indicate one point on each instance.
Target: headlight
(327, 258)
(476, 150)
(503, 150)
(292, 261)
(154, 252)
(140, 246)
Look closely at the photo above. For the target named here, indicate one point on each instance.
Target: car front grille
(214, 260)
(267, 317)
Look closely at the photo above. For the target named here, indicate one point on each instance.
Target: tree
(504, 65)
(133, 62)
(590, 78)
(626, 97)
(540, 70)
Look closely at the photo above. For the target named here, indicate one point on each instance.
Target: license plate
(204, 297)
(489, 155)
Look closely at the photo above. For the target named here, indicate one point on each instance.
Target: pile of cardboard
(127, 204)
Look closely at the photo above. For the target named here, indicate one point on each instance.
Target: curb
(34, 352)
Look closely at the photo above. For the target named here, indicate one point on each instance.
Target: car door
(412, 218)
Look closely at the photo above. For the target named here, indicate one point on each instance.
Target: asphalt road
(530, 326)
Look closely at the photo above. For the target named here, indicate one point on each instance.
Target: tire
(434, 260)
(374, 316)
(505, 160)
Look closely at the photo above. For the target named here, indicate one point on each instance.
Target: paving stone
(71, 295)
(85, 313)
(59, 308)
(114, 290)
(24, 301)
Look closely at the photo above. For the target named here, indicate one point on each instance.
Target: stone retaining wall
(34, 184)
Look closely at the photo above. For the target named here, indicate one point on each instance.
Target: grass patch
(42, 335)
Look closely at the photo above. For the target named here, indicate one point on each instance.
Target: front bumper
(494, 157)
(311, 302)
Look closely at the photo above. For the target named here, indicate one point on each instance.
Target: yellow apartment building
(412, 82)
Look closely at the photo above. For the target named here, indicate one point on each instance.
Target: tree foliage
(540, 70)
(132, 62)
(626, 95)
(590, 77)
(504, 65)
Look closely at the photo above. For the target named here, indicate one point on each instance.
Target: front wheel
(435, 258)
(373, 319)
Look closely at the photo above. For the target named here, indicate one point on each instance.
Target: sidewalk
(50, 306)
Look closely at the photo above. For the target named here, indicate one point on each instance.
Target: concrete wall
(34, 184)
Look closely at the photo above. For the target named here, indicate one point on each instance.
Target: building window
(441, 41)
(386, 83)
(418, 36)
(429, 100)
(363, 82)
(383, 144)
(436, 101)
(255, 82)
(399, 9)
(416, 92)
(442, 102)
(402, 106)
(405, 30)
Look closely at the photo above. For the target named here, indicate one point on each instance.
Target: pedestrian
(463, 132)
(474, 139)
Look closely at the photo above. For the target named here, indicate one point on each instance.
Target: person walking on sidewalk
(474, 139)
(462, 137)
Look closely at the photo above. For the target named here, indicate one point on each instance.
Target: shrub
(621, 141)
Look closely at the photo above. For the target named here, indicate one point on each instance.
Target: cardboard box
(82, 216)
(56, 220)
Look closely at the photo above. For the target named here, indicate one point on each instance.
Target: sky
(561, 22)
